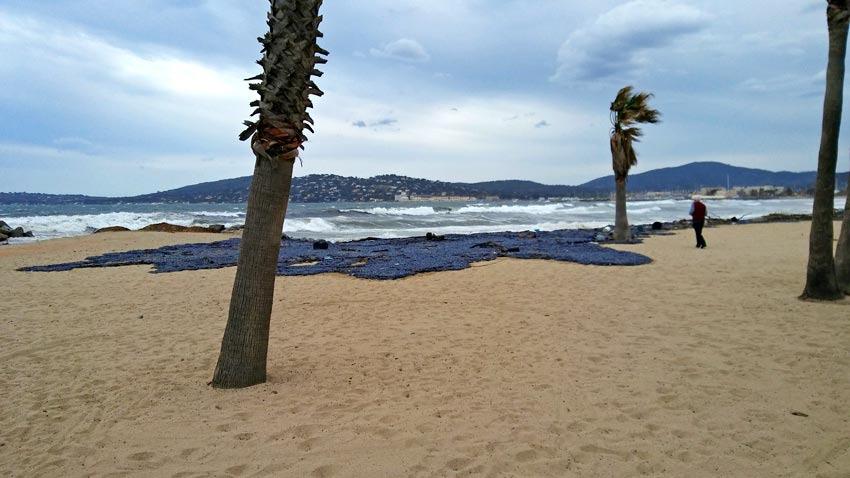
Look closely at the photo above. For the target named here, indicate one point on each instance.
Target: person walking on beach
(698, 213)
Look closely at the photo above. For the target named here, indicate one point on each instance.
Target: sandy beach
(701, 364)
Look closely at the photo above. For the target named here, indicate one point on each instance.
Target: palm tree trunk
(842, 250)
(244, 348)
(621, 220)
(821, 283)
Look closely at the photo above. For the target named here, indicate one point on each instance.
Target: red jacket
(698, 211)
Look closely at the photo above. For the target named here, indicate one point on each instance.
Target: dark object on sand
(216, 227)
(166, 227)
(111, 229)
(433, 237)
(321, 244)
(657, 226)
(376, 258)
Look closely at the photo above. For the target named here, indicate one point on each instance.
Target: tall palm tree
(290, 55)
(821, 283)
(627, 110)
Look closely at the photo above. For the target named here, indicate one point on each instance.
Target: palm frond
(290, 56)
(627, 110)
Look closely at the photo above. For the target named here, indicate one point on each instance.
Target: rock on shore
(166, 227)
(6, 232)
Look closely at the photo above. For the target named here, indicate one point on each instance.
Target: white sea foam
(297, 226)
(512, 209)
(236, 214)
(398, 211)
(81, 224)
(61, 225)
(644, 210)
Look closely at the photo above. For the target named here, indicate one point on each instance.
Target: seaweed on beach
(375, 258)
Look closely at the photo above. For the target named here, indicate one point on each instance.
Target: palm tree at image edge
(821, 281)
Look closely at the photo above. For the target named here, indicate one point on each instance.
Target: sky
(126, 97)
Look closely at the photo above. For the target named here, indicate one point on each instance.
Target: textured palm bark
(620, 163)
(290, 55)
(244, 348)
(621, 220)
(842, 250)
(821, 283)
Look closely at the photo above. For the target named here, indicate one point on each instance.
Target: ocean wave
(399, 211)
(237, 214)
(588, 210)
(644, 210)
(536, 209)
(312, 225)
(60, 225)
(660, 202)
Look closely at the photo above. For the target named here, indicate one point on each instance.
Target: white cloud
(403, 49)
(617, 41)
(80, 54)
(138, 94)
(63, 170)
(162, 105)
(787, 84)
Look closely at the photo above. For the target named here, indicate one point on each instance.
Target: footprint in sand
(605, 451)
(236, 470)
(458, 463)
(141, 456)
(526, 456)
(324, 471)
(188, 452)
(226, 427)
(310, 443)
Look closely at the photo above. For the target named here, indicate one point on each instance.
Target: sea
(348, 221)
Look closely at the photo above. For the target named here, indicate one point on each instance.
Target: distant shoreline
(706, 178)
(349, 221)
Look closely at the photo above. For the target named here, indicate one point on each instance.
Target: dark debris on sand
(376, 258)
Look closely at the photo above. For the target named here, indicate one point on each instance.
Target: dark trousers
(698, 225)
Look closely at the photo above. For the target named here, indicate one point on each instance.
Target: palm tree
(627, 110)
(289, 60)
(842, 249)
(821, 283)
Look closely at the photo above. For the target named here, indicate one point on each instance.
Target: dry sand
(701, 364)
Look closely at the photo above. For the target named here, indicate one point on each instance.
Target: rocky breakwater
(7, 231)
(166, 227)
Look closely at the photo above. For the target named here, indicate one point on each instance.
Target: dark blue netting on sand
(375, 258)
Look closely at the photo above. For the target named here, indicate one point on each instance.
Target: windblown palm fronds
(627, 110)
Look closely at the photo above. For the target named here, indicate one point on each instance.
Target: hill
(694, 176)
(333, 188)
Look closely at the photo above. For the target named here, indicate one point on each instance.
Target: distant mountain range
(694, 176)
(333, 188)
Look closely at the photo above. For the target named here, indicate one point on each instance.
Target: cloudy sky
(121, 97)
